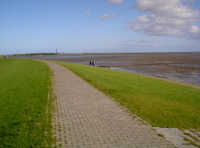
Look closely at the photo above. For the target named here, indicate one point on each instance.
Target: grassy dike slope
(161, 103)
(24, 88)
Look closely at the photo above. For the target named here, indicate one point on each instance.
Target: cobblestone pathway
(86, 118)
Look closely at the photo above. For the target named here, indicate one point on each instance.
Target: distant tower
(56, 51)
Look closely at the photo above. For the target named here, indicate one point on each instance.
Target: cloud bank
(109, 16)
(167, 17)
(116, 1)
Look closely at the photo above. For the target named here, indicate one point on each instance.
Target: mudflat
(183, 67)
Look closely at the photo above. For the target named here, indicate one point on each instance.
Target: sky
(82, 26)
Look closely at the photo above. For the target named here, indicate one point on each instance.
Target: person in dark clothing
(92, 61)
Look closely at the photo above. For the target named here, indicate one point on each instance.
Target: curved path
(86, 118)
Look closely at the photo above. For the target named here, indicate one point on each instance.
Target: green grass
(24, 88)
(159, 102)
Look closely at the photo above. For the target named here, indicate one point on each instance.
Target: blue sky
(75, 26)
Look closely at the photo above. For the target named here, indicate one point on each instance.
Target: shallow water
(183, 67)
(193, 78)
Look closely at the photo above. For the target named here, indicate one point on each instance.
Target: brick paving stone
(86, 118)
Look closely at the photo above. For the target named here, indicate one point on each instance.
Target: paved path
(86, 118)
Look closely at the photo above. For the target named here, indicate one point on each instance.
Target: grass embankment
(159, 102)
(24, 88)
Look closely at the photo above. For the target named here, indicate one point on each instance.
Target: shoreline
(181, 67)
(157, 77)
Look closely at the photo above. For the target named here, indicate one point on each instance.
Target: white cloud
(88, 12)
(108, 16)
(167, 17)
(195, 29)
(116, 1)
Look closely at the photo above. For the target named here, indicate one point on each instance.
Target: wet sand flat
(184, 67)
